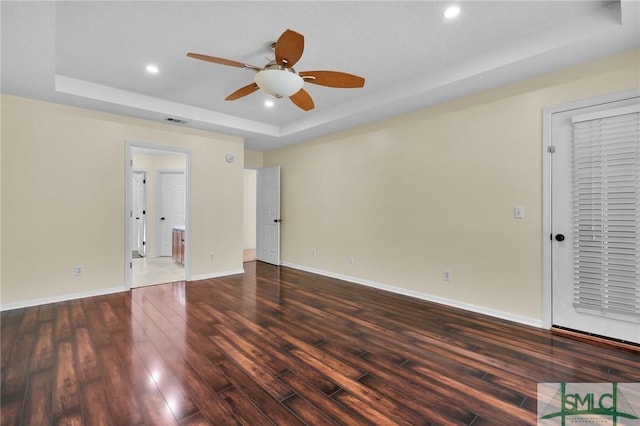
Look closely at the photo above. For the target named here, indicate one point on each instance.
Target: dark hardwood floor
(285, 347)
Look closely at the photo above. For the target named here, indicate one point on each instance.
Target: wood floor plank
(369, 411)
(197, 420)
(211, 406)
(370, 397)
(156, 410)
(322, 401)
(269, 405)
(87, 363)
(7, 341)
(293, 364)
(29, 323)
(99, 333)
(262, 375)
(72, 419)
(277, 346)
(14, 376)
(95, 405)
(66, 394)
(62, 324)
(78, 317)
(37, 409)
(11, 412)
(172, 387)
(43, 351)
(244, 409)
(46, 313)
(306, 411)
(124, 402)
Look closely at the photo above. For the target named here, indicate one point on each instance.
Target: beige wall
(63, 196)
(434, 190)
(249, 220)
(152, 164)
(253, 159)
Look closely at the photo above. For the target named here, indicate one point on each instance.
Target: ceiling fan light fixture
(279, 82)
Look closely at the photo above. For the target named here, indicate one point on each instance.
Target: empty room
(310, 212)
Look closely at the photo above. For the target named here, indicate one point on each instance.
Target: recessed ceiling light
(268, 103)
(451, 12)
(152, 69)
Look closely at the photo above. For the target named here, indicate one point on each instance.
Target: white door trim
(547, 113)
(129, 145)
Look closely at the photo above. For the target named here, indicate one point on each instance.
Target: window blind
(606, 213)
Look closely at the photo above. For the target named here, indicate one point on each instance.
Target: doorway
(159, 176)
(591, 228)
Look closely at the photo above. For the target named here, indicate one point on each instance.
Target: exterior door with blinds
(596, 220)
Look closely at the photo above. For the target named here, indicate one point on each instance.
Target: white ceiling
(93, 54)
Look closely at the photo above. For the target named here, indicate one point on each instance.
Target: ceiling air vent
(175, 120)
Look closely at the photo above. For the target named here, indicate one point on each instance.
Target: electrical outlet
(447, 275)
(351, 259)
(79, 270)
(518, 212)
(314, 253)
(211, 257)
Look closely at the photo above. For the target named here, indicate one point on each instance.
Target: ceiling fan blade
(303, 100)
(222, 61)
(333, 79)
(289, 48)
(243, 91)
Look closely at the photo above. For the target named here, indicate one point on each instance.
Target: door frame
(144, 208)
(159, 205)
(129, 146)
(547, 225)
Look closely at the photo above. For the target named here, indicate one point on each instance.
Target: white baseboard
(424, 296)
(216, 275)
(62, 298)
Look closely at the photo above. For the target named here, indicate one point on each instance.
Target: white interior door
(596, 221)
(138, 213)
(171, 208)
(268, 215)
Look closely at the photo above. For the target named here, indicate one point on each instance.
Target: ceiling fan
(279, 79)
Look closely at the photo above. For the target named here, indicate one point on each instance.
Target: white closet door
(268, 215)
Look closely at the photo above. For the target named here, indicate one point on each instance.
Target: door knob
(276, 221)
(162, 218)
(559, 237)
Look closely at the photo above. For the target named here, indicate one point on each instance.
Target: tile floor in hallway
(160, 270)
(155, 270)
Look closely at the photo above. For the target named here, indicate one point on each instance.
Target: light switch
(518, 212)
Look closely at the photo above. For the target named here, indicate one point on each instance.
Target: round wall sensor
(229, 158)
